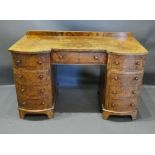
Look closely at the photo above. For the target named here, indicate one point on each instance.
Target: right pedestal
(123, 84)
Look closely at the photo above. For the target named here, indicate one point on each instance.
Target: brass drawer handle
(113, 105)
(18, 62)
(42, 90)
(136, 78)
(133, 92)
(39, 62)
(20, 76)
(137, 63)
(116, 63)
(40, 76)
(43, 102)
(114, 92)
(22, 90)
(131, 104)
(24, 103)
(116, 77)
(61, 56)
(96, 57)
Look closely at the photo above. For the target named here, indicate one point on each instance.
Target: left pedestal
(34, 83)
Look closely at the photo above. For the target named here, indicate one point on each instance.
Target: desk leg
(50, 114)
(105, 115)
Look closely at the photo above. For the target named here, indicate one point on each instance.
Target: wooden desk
(34, 54)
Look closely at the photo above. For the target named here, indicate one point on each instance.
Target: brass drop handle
(43, 102)
(116, 63)
(116, 77)
(22, 90)
(42, 90)
(133, 92)
(40, 76)
(95, 57)
(61, 56)
(24, 103)
(18, 62)
(39, 62)
(136, 78)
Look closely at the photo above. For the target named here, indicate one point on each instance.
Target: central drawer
(79, 57)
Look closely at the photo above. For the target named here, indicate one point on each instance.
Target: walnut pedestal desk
(35, 54)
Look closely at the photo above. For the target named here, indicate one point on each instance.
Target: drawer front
(32, 77)
(126, 79)
(33, 91)
(119, 92)
(95, 58)
(35, 104)
(44, 90)
(123, 105)
(65, 57)
(31, 61)
(79, 58)
(127, 62)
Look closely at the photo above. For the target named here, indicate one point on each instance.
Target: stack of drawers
(32, 74)
(123, 84)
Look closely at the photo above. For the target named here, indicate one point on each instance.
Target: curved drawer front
(43, 90)
(127, 62)
(31, 61)
(32, 77)
(126, 79)
(35, 104)
(118, 92)
(123, 105)
(33, 91)
(79, 58)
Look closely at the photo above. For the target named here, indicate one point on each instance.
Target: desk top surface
(45, 41)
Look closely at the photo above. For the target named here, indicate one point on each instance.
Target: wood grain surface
(44, 41)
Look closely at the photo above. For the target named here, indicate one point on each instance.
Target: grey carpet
(77, 111)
